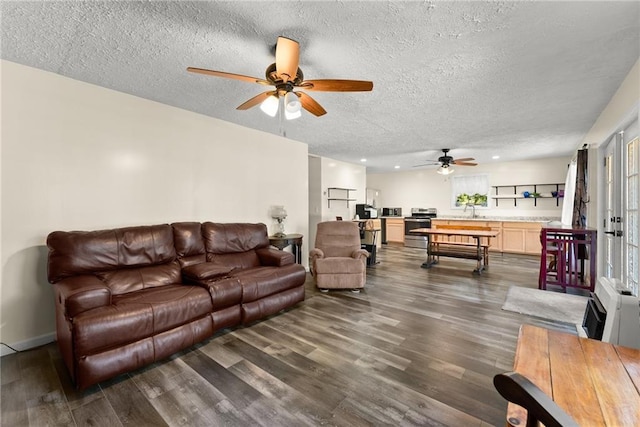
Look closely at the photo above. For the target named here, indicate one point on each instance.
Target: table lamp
(279, 214)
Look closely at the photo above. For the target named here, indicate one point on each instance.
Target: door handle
(613, 233)
(617, 233)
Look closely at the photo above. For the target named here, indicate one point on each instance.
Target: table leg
(479, 257)
(430, 258)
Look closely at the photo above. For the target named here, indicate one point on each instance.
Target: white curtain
(569, 193)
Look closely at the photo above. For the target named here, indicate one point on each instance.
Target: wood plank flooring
(416, 347)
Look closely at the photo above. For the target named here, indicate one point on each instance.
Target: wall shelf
(517, 193)
(343, 192)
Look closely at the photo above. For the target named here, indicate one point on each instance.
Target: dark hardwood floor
(416, 347)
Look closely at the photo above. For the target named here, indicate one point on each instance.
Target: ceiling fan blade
(464, 163)
(287, 58)
(256, 100)
(227, 75)
(332, 85)
(310, 104)
(466, 159)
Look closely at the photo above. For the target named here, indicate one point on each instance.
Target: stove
(420, 218)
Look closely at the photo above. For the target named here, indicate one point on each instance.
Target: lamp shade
(270, 106)
(445, 170)
(290, 116)
(291, 102)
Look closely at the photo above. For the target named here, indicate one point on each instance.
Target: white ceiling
(517, 79)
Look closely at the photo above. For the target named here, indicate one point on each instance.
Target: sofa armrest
(275, 257)
(360, 254)
(316, 253)
(205, 271)
(78, 294)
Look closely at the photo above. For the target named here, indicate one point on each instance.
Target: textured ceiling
(517, 79)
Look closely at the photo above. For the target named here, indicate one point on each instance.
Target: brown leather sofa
(130, 296)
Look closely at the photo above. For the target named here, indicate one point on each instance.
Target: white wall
(78, 156)
(621, 110)
(427, 189)
(325, 173)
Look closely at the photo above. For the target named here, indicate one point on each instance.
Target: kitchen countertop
(544, 219)
(499, 218)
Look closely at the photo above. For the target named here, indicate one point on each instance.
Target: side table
(293, 240)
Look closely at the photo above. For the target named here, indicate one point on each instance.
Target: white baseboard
(27, 344)
(580, 330)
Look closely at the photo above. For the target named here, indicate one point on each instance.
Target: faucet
(473, 209)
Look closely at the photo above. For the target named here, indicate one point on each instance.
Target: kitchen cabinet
(496, 242)
(517, 237)
(521, 237)
(395, 230)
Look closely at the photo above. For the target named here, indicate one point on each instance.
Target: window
(470, 190)
(631, 214)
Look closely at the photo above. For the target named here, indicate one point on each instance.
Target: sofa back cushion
(338, 238)
(135, 279)
(234, 244)
(189, 244)
(89, 252)
(234, 237)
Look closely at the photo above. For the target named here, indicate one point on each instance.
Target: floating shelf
(339, 199)
(516, 195)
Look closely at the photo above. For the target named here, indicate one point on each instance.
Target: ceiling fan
(285, 75)
(445, 161)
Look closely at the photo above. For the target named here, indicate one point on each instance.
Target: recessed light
(397, 167)
(495, 157)
(363, 160)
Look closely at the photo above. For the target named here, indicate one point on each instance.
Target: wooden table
(478, 255)
(596, 383)
(294, 240)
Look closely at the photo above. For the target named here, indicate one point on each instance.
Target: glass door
(613, 208)
(631, 215)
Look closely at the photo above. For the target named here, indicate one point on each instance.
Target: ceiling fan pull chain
(281, 116)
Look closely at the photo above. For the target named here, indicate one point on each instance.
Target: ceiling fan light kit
(445, 161)
(285, 75)
(445, 170)
(270, 106)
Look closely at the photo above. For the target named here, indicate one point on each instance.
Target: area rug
(546, 304)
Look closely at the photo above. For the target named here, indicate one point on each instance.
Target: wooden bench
(466, 250)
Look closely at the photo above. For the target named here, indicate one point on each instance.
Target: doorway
(621, 207)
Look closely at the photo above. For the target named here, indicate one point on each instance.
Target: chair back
(519, 390)
(338, 238)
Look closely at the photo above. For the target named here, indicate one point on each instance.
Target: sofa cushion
(264, 281)
(135, 279)
(189, 244)
(233, 237)
(338, 265)
(275, 257)
(224, 292)
(137, 315)
(238, 261)
(81, 252)
(206, 271)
